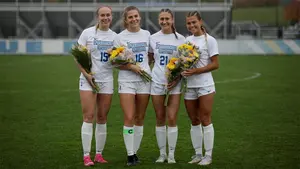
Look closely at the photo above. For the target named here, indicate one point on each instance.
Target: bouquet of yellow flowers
(83, 57)
(189, 55)
(173, 70)
(120, 56)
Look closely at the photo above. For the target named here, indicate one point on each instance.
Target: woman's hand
(90, 79)
(173, 83)
(135, 68)
(189, 72)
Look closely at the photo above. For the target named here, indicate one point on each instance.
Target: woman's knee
(101, 118)
(172, 121)
(88, 117)
(160, 118)
(195, 120)
(139, 121)
(205, 119)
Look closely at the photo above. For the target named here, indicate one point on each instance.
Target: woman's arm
(208, 68)
(131, 67)
(151, 58)
(89, 77)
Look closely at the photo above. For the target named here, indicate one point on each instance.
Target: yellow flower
(186, 65)
(173, 60)
(189, 59)
(171, 66)
(113, 54)
(121, 49)
(189, 47)
(82, 48)
(196, 54)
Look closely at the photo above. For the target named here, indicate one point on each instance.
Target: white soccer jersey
(138, 44)
(208, 49)
(98, 42)
(164, 47)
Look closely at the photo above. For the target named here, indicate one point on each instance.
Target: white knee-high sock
(209, 134)
(100, 134)
(197, 137)
(161, 138)
(86, 137)
(128, 134)
(138, 135)
(172, 139)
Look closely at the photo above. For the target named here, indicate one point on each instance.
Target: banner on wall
(226, 47)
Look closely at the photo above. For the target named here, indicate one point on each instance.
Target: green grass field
(256, 118)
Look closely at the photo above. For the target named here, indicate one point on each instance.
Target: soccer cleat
(206, 160)
(171, 160)
(196, 159)
(161, 159)
(136, 159)
(131, 160)
(99, 159)
(87, 161)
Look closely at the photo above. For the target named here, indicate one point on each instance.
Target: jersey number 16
(139, 57)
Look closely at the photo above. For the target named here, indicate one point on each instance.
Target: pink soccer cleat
(99, 159)
(87, 161)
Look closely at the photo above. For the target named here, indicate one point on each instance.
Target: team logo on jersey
(165, 49)
(137, 47)
(103, 45)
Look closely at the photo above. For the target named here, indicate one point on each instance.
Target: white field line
(254, 76)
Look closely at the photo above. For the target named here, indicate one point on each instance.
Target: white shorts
(105, 87)
(139, 87)
(195, 93)
(160, 89)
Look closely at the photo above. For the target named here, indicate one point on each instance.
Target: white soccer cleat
(161, 159)
(206, 160)
(171, 160)
(196, 159)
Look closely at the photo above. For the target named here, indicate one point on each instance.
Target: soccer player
(98, 39)
(201, 89)
(133, 91)
(164, 46)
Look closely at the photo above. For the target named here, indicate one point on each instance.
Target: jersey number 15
(104, 57)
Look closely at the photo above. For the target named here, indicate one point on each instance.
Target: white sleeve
(212, 47)
(150, 50)
(83, 38)
(150, 46)
(117, 41)
(183, 40)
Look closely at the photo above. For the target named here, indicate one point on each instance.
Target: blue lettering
(163, 60)
(139, 57)
(33, 47)
(11, 48)
(103, 56)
